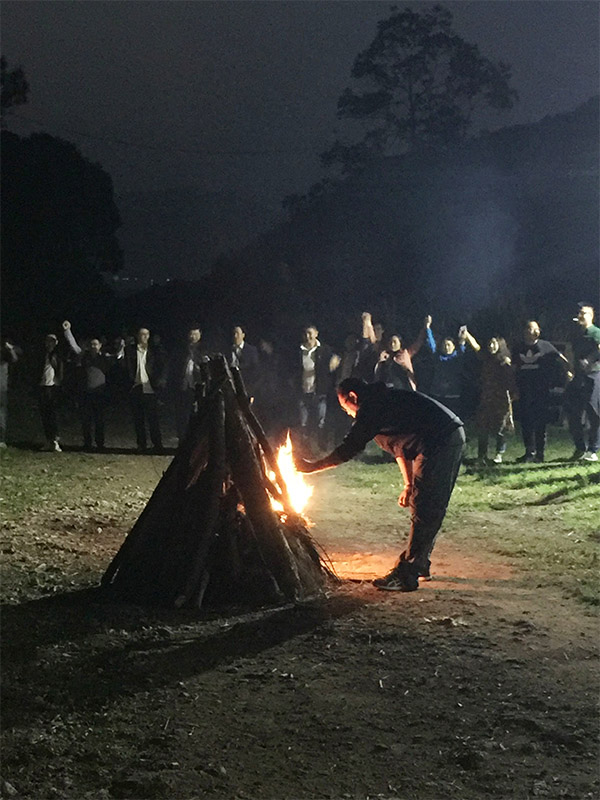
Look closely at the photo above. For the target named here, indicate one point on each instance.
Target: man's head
(95, 346)
(349, 393)
(194, 334)
(266, 347)
(585, 317)
(310, 336)
(51, 341)
(493, 345)
(394, 343)
(238, 335)
(142, 337)
(448, 346)
(350, 342)
(532, 332)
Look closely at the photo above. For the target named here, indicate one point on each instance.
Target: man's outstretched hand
(303, 465)
(404, 498)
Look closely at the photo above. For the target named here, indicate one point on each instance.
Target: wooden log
(248, 476)
(169, 555)
(154, 545)
(258, 430)
(217, 471)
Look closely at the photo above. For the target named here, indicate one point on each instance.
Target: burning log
(211, 533)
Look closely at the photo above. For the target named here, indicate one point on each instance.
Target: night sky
(241, 96)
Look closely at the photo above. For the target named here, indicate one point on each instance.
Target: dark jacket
(178, 367)
(248, 364)
(404, 423)
(156, 366)
(58, 363)
(537, 368)
(324, 379)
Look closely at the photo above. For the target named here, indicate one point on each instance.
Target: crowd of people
(294, 386)
(410, 398)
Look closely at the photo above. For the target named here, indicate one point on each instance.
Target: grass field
(481, 685)
(547, 516)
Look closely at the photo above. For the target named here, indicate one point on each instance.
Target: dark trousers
(482, 443)
(577, 418)
(48, 398)
(3, 412)
(434, 476)
(92, 408)
(313, 413)
(184, 405)
(144, 408)
(533, 426)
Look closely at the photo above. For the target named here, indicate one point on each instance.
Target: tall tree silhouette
(59, 222)
(14, 86)
(417, 82)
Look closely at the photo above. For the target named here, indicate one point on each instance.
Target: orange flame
(298, 490)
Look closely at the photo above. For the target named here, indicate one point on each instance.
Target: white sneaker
(56, 448)
(589, 456)
(497, 458)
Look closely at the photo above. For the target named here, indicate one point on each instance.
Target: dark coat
(324, 379)
(58, 363)
(178, 367)
(249, 366)
(156, 366)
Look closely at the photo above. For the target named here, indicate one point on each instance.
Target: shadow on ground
(86, 652)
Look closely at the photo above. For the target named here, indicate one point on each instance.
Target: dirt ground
(479, 685)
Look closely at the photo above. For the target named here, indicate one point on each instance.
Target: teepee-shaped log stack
(208, 533)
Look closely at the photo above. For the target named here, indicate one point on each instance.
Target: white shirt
(235, 354)
(188, 378)
(309, 368)
(49, 374)
(141, 376)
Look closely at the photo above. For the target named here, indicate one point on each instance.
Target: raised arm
(368, 331)
(464, 336)
(414, 348)
(70, 338)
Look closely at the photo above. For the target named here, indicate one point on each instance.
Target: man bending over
(427, 441)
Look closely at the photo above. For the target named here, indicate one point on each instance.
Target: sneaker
(589, 456)
(526, 458)
(55, 447)
(425, 572)
(576, 455)
(497, 458)
(403, 578)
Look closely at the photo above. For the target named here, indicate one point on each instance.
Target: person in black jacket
(537, 365)
(186, 375)
(51, 379)
(9, 355)
(427, 441)
(313, 381)
(93, 365)
(583, 393)
(146, 369)
(244, 356)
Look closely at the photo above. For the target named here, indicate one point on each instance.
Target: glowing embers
(298, 490)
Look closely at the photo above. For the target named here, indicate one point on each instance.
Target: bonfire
(225, 523)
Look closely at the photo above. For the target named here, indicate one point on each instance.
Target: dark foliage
(14, 86)
(59, 224)
(417, 83)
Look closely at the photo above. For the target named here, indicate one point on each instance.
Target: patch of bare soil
(475, 686)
